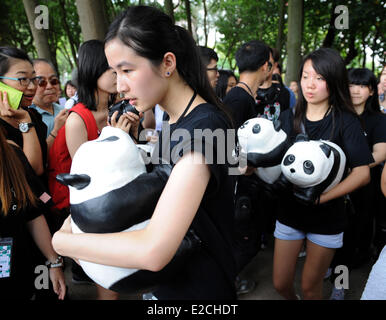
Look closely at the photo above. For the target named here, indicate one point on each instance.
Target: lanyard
(187, 107)
(249, 89)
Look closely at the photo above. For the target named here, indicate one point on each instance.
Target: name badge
(5, 257)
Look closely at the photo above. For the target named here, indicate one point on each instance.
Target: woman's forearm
(359, 177)
(121, 249)
(379, 154)
(32, 150)
(42, 237)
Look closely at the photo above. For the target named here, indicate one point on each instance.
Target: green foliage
(232, 21)
(15, 30)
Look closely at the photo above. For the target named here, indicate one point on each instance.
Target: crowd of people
(157, 66)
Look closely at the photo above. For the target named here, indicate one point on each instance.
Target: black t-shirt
(272, 101)
(327, 218)
(365, 198)
(19, 285)
(15, 135)
(210, 273)
(375, 127)
(241, 105)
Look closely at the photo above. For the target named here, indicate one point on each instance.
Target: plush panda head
(311, 163)
(111, 161)
(263, 143)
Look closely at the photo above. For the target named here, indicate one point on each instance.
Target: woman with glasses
(17, 72)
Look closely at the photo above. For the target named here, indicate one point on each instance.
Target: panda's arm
(154, 246)
(358, 177)
(76, 133)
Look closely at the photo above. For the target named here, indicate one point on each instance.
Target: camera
(122, 107)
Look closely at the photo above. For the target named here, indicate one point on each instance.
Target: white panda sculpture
(110, 191)
(313, 167)
(263, 143)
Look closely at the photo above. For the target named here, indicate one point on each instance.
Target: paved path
(260, 269)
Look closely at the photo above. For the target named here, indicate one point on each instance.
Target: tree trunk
(39, 35)
(92, 18)
(294, 39)
(169, 9)
(280, 28)
(364, 51)
(352, 50)
(205, 26)
(73, 45)
(188, 16)
(330, 36)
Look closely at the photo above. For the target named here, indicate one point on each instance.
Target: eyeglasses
(24, 82)
(43, 82)
(212, 69)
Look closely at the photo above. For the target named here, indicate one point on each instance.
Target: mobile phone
(14, 95)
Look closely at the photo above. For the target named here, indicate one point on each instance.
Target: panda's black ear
(277, 125)
(302, 137)
(78, 181)
(326, 149)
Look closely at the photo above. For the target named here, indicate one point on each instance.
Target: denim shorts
(333, 241)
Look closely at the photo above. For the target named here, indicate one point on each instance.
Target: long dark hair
(329, 64)
(6, 53)
(363, 76)
(92, 64)
(222, 83)
(14, 188)
(151, 34)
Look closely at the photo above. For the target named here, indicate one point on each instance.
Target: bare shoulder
(75, 122)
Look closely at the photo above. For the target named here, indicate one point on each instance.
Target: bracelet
(52, 135)
(58, 263)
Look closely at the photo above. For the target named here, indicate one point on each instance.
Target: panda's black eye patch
(289, 159)
(256, 128)
(308, 167)
(109, 139)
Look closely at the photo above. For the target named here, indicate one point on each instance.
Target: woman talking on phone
(157, 63)
(17, 72)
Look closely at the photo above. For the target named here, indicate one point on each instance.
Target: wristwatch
(25, 126)
(58, 263)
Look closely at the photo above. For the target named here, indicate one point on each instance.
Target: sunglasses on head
(43, 82)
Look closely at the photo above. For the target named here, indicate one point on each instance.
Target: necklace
(249, 89)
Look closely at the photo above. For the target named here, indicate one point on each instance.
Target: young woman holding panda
(323, 111)
(157, 62)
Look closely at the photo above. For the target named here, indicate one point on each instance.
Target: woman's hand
(128, 122)
(20, 114)
(58, 282)
(57, 238)
(59, 121)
